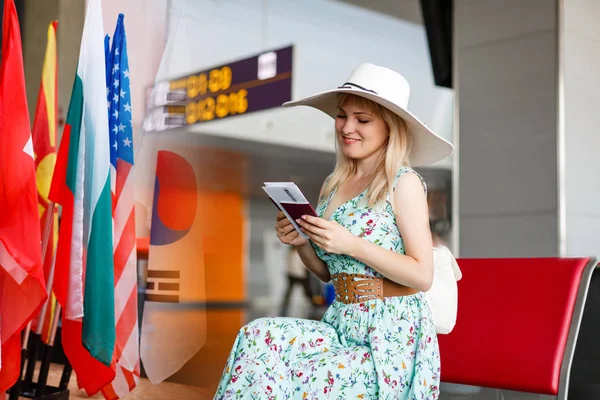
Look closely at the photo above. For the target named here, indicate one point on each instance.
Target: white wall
(581, 39)
(330, 39)
(506, 55)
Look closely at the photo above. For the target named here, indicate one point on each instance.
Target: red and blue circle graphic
(175, 199)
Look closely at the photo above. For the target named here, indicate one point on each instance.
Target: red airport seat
(518, 330)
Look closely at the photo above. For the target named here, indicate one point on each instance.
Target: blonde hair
(394, 157)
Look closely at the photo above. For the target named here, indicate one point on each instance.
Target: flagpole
(15, 390)
(41, 387)
(43, 376)
(49, 285)
(65, 377)
(46, 236)
(45, 239)
(35, 337)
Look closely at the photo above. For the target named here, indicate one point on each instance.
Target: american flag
(126, 353)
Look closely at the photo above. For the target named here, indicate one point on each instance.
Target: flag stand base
(52, 393)
(40, 390)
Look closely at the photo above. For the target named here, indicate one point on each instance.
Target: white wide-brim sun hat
(391, 90)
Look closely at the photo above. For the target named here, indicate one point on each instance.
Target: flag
(44, 148)
(122, 186)
(21, 275)
(84, 268)
(173, 332)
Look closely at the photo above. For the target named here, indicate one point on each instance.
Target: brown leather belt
(356, 288)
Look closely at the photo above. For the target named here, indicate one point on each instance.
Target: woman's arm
(288, 235)
(313, 262)
(415, 267)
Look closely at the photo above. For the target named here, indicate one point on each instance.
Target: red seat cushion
(513, 322)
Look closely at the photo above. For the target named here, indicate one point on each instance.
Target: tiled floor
(145, 390)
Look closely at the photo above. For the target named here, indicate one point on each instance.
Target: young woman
(372, 239)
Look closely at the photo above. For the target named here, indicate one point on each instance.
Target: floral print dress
(379, 349)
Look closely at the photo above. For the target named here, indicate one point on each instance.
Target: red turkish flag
(22, 288)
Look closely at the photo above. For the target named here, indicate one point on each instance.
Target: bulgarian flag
(44, 148)
(84, 269)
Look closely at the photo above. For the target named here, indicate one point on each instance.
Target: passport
(288, 198)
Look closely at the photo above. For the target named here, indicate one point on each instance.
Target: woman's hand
(286, 232)
(328, 235)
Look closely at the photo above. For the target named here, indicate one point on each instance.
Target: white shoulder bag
(443, 294)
